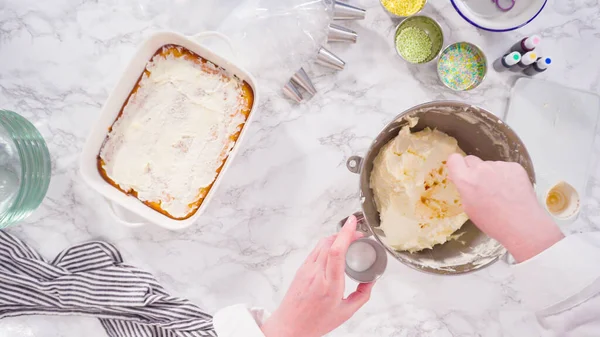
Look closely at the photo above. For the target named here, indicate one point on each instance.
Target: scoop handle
(361, 224)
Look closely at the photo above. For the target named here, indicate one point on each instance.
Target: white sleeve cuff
(560, 276)
(239, 321)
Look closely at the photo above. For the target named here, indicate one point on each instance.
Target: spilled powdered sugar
(481, 254)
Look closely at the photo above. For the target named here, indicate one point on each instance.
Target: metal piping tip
(301, 78)
(291, 92)
(341, 34)
(343, 11)
(329, 59)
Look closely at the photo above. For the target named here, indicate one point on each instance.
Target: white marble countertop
(59, 59)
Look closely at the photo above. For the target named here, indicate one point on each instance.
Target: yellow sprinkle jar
(403, 8)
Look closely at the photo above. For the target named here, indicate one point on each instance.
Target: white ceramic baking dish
(126, 209)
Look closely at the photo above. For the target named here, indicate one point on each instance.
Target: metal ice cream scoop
(366, 259)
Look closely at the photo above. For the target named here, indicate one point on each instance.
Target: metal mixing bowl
(479, 133)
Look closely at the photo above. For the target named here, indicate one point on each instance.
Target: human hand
(499, 198)
(314, 304)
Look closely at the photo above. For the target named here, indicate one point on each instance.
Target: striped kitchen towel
(90, 279)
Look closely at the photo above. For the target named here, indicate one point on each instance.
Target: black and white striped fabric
(90, 279)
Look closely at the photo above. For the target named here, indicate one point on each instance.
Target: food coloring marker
(507, 61)
(527, 44)
(539, 66)
(526, 61)
(530, 43)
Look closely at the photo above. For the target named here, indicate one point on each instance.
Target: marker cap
(512, 58)
(531, 42)
(528, 58)
(543, 62)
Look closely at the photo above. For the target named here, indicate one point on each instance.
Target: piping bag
(274, 38)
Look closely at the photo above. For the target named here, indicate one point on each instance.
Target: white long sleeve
(562, 285)
(239, 321)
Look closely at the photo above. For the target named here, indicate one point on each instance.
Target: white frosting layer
(418, 205)
(174, 133)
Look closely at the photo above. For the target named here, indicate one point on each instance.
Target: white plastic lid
(532, 42)
(544, 62)
(528, 58)
(512, 58)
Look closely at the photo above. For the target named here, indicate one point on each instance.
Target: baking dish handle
(361, 224)
(219, 36)
(120, 215)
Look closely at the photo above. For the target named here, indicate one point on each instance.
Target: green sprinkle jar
(418, 39)
(24, 168)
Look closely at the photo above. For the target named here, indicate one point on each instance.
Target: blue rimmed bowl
(485, 15)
